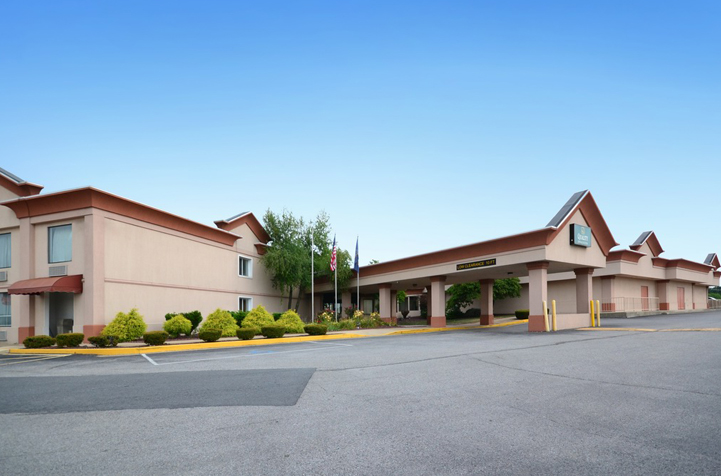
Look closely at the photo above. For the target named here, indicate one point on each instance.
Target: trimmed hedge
(246, 333)
(522, 314)
(72, 339)
(126, 327)
(99, 341)
(273, 332)
(291, 321)
(210, 335)
(36, 342)
(220, 319)
(155, 337)
(258, 317)
(316, 329)
(177, 325)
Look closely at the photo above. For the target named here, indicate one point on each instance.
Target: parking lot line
(29, 358)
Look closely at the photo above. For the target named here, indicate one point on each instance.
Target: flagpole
(335, 303)
(312, 281)
(357, 277)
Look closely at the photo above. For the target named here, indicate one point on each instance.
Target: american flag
(332, 256)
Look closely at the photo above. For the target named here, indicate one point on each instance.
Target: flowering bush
(325, 317)
(357, 314)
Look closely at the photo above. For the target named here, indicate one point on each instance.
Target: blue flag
(356, 267)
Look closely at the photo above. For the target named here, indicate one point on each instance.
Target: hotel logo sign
(580, 235)
(476, 264)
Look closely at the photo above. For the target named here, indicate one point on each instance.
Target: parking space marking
(250, 354)
(27, 359)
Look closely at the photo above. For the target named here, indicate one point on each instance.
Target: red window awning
(60, 284)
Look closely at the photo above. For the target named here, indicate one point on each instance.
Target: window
(245, 304)
(60, 244)
(5, 250)
(245, 267)
(414, 303)
(5, 310)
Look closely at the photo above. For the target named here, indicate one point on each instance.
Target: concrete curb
(443, 329)
(183, 347)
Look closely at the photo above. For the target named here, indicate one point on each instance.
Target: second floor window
(5, 251)
(245, 267)
(60, 244)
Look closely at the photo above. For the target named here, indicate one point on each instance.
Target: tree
(463, 295)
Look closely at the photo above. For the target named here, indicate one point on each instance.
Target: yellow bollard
(593, 315)
(598, 313)
(553, 310)
(545, 316)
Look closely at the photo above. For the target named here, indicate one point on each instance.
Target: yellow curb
(184, 347)
(630, 329)
(443, 329)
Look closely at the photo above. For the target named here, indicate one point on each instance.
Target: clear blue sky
(417, 125)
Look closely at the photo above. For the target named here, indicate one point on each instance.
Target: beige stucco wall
(561, 250)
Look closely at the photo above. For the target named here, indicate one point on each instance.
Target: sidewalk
(130, 348)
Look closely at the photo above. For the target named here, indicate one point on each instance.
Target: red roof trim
(246, 219)
(625, 255)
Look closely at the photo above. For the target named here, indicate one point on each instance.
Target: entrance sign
(476, 264)
(580, 235)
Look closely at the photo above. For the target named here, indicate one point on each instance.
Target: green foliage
(401, 296)
(714, 294)
(343, 324)
(258, 317)
(463, 295)
(472, 312)
(70, 340)
(156, 337)
(373, 321)
(220, 319)
(178, 325)
(273, 332)
(126, 327)
(195, 318)
(276, 315)
(210, 335)
(99, 341)
(316, 329)
(247, 333)
(170, 315)
(36, 342)
(291, 321)
(522, 314)
(238, 316)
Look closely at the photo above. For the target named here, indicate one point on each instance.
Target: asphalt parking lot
(492, 401)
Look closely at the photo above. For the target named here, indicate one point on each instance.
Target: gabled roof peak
(17, 185)
(248, 218)
(713, 260)
(648, 237)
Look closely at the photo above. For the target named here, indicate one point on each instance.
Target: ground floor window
(245, 304)
(5, 320)
(414, 303)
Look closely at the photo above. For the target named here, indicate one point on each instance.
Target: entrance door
(644, 298)
(681, 299)
(60, 313)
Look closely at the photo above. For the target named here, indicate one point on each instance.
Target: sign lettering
(580, 235)
(476, 264)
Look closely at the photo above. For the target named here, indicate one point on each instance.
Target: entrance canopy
(60, 284)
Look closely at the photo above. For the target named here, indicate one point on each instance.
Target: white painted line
(329, 343)
(150, 360)
(234, 356)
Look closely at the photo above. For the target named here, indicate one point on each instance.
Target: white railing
(714, 304)
(621, 304)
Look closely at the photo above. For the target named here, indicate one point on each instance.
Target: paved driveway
(493, 401)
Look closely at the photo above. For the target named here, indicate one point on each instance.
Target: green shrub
(171, 315)
(35, 342)
(472, 312)
(195, 318)
(277, 315)
(522, 314)
(343, 324)
(291, 321)
(70, 340)
(258, 317)
(238, 316)
(177, 325)
(112, 341)
(316, 329)
(126, 327)
(246, 333)
(155, 337)
(210, 335)
(273, 332)
(99, 341)
(220, 319)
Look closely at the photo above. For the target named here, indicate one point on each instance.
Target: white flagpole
(335, 303)
(357, 295)
(312, 281)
